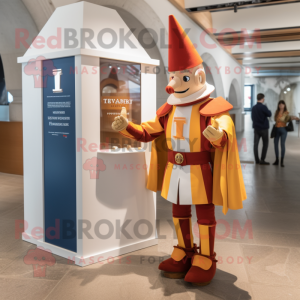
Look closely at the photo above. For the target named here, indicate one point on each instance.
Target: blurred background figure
(282, 117)
(259, 115)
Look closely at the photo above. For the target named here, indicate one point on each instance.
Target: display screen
(120, 86)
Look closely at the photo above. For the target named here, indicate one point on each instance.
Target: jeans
(264, 134)
(281, 134)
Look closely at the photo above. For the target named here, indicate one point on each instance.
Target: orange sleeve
(146, 132)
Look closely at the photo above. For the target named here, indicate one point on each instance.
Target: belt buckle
(179, 158)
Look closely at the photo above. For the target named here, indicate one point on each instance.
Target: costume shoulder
(164, 110)
(215, 107)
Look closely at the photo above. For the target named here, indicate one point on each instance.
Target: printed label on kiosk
(60, 152)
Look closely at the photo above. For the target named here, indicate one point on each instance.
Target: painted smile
(182, 91)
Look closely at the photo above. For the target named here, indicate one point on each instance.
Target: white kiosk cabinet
(82, 200)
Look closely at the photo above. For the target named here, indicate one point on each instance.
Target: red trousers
(205, 216)
(205, 213)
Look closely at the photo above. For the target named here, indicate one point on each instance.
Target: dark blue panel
(60, 154)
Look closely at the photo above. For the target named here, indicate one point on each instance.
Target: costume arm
(146, 132)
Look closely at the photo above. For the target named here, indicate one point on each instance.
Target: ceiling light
(288, 89)
(109, 66)
(285, 92)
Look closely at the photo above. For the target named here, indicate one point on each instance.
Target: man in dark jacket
(259, 115)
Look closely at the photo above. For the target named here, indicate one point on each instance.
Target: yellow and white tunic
(183, 127)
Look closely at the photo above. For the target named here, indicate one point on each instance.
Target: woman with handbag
(282, 117)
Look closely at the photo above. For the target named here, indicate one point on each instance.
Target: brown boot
(179, 263)
(203, 267)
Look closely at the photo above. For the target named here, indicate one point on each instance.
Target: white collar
(206, 90)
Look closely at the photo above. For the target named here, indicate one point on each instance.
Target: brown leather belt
(189, 158)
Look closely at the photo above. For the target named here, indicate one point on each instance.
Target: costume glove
(213, 132)
(121, 122)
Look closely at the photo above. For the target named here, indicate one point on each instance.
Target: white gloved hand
(121, 122)
(213, 132)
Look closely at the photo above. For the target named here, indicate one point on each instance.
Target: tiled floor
(262, 264)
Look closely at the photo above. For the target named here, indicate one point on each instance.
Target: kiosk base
(96, 258)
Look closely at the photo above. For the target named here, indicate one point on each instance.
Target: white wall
(13, 15)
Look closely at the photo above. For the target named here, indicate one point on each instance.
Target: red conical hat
(182, 53)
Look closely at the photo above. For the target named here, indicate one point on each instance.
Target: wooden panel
(11, 148)
(204, 18)
(179, 4)
(259, 36)
(273, 54)
(278, 68)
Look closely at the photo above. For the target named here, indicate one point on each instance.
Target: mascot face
(186, 82)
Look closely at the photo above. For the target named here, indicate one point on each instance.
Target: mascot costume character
(194, 158)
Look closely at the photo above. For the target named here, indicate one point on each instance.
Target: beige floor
(261, 266)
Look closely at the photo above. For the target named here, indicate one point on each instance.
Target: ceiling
(261, 33)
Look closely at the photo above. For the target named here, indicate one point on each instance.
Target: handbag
(273, 132)
(290, 126)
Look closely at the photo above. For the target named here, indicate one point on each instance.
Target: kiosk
(83, 199)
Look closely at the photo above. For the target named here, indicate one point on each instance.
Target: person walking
(259, 115)
(282, 117)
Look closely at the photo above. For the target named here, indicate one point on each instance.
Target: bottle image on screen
(120, 87)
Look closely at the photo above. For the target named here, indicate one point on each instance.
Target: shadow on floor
(222, 287)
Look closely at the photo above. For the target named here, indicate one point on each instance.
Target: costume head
(187, 76)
